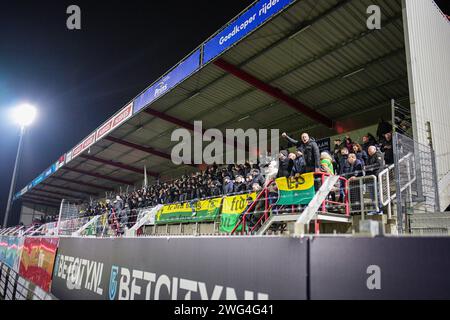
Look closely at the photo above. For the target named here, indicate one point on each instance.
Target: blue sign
(246, 23)
(38, 180)
(49, 171)
(169, 81)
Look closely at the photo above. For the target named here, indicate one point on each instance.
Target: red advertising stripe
(77, 150)
(37, 260)
(123, 115)
(89, 141)
(104, 130)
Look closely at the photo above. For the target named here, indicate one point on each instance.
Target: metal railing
(363, 195)
(15, 287)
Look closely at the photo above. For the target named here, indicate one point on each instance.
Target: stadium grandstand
(361, 117)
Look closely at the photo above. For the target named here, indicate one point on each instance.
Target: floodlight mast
(24, 115)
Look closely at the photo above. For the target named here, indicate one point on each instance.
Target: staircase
(430, 224)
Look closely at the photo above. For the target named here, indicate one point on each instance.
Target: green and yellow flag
(232, 208)
(199, 211)
(295, 191)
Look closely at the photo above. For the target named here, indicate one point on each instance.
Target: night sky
(77, 79)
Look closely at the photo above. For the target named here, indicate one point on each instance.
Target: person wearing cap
(228, 186)
(240, 186)
(258, 178)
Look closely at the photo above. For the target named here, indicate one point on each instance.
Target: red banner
(38, 258)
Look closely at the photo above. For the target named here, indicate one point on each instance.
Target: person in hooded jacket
(298, 167)
(258, 177)
(285, 165)
(310, 150)
(228, 185)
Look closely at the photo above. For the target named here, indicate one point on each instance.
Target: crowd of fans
(212, 182)
(348, 159)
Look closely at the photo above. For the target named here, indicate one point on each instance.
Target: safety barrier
(363, 195)
(15, 287)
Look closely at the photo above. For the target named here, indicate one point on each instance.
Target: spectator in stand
(285, 164)
(249, 181)
(326, 163)
(337, 150)
(298, 166)
(308, 147)
(348, 143)
(343, 168)
(355, 167)
(228, 185)
(375, 163)
(343, 160)
(239, 185)
(386, 147)
(383, 128)
(368, 140)
(360, 153)
(258, 178)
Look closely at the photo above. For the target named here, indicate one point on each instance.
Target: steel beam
(170, 119)
(41, 197)
(68, 188)
(100, 176)
(273, 92)
(119, 165)
(82, 183)
(139, 147)
(40, 203)
(61, 194)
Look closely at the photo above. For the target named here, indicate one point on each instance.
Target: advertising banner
(324, 145)
(209, 268)
(60, 163)
(232, 209)
(194, 211)
(89, 141)
(10, 251)
(380, 268)
(169, 81)
(295, 191)
(36, 263)
(3, 248)
(115, 121)
(38, 180)
(242, 26)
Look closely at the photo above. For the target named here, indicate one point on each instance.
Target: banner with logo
(169, 81)
(232, 209)
(10, 251)
(238, 29)
(324, 145)
(295, 191)
(194, 211)
(36, 263)
(179, 269)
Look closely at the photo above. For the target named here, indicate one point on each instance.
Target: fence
(416, 187)
(15, 287)
(363, 195)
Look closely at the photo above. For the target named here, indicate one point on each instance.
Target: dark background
(77, 79)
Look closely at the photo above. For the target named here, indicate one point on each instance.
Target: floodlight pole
(14, 177)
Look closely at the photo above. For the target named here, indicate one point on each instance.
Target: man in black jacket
(386, 147)
(374, 166)
(285, 164)
(310, 150)
(375, 163)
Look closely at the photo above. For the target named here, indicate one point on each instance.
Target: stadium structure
(294, 65)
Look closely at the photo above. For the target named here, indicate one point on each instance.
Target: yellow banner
(174, 209)
(304, 182)
(236, 204)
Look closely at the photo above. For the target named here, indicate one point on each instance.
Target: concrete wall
(427, 37)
